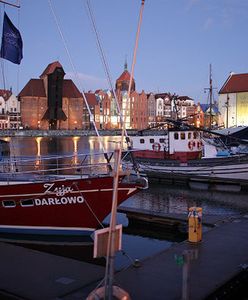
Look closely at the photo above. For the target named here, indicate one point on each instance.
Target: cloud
(208, 23)
(87, 82)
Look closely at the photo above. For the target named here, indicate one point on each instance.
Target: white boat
(187, 154)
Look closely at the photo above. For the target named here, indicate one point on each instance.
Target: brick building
(134, 110)
(51, 102)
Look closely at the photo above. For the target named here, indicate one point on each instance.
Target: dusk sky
(178, 41)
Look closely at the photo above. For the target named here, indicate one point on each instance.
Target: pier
(220, 258)
(199, 182)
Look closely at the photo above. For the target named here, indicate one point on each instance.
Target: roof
(162, 95)
(51, 68)
(5, 94)
(184, 98)
(235, 83)
(35, 87)
(125, 76)
(91, 99)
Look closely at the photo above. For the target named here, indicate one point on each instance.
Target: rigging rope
(79, 83)
(107, 72)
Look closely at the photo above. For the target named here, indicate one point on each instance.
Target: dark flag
(11, 48)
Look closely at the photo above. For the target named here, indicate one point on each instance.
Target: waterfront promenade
(51, 133)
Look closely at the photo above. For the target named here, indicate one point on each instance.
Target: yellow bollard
(195, 224)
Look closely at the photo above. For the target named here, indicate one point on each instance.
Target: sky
(179, 39)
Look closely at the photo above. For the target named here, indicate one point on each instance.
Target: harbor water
(137, 244)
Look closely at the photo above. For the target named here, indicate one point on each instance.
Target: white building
(233, 100)
(9, 110)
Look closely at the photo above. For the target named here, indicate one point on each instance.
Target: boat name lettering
(58, 190)
(59, 201)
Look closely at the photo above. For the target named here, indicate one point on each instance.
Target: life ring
(156, 147)
(117, 292)
(190, 145)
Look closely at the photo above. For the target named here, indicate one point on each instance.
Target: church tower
(122, 82)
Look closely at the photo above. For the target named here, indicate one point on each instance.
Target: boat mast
(210, 89)
(109, 274)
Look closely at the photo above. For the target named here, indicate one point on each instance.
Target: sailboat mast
(109, 274)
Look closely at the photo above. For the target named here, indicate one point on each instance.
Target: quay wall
(43, 133)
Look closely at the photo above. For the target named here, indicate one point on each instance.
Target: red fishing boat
(74, 205)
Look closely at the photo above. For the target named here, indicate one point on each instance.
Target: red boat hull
(62, 204)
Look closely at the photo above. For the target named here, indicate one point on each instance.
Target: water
(158, 198)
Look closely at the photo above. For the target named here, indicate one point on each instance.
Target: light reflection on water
(159, 198)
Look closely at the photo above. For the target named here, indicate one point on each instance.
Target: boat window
(195, 134)
(176, 135)
(161, 140)
(189, 135)
(142, 141)
(151, 141)
(8, 203)
(182, 135)
(28, 202)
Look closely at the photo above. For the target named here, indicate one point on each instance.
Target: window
(161, 140)
(189, 135)
(182, 135)
(26, 203)
(142, 141)
(8, 203)
(195, 134)
(151, 141)
(176, 135)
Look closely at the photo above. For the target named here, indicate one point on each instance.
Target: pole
(227, 110)
(109, 274)
(211, 96)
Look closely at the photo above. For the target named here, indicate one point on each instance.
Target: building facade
(51, 102)
(9, 110)
(233, 100)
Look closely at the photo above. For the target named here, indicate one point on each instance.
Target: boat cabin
(179, 145)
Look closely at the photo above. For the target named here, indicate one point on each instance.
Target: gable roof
(51, 68)
(125, 76)
(35, 88)
(91, 99)
(235, 83)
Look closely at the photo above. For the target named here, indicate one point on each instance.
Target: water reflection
(175, 199)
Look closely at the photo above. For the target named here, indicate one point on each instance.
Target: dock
(198, 182)
(160, 219)
(221, 256)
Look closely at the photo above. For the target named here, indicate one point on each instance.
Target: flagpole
(11, 4)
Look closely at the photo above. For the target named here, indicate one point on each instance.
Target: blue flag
(11, 48)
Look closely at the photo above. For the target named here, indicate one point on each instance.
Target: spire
(125, 65)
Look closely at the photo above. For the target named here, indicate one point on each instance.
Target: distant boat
(184, 152)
